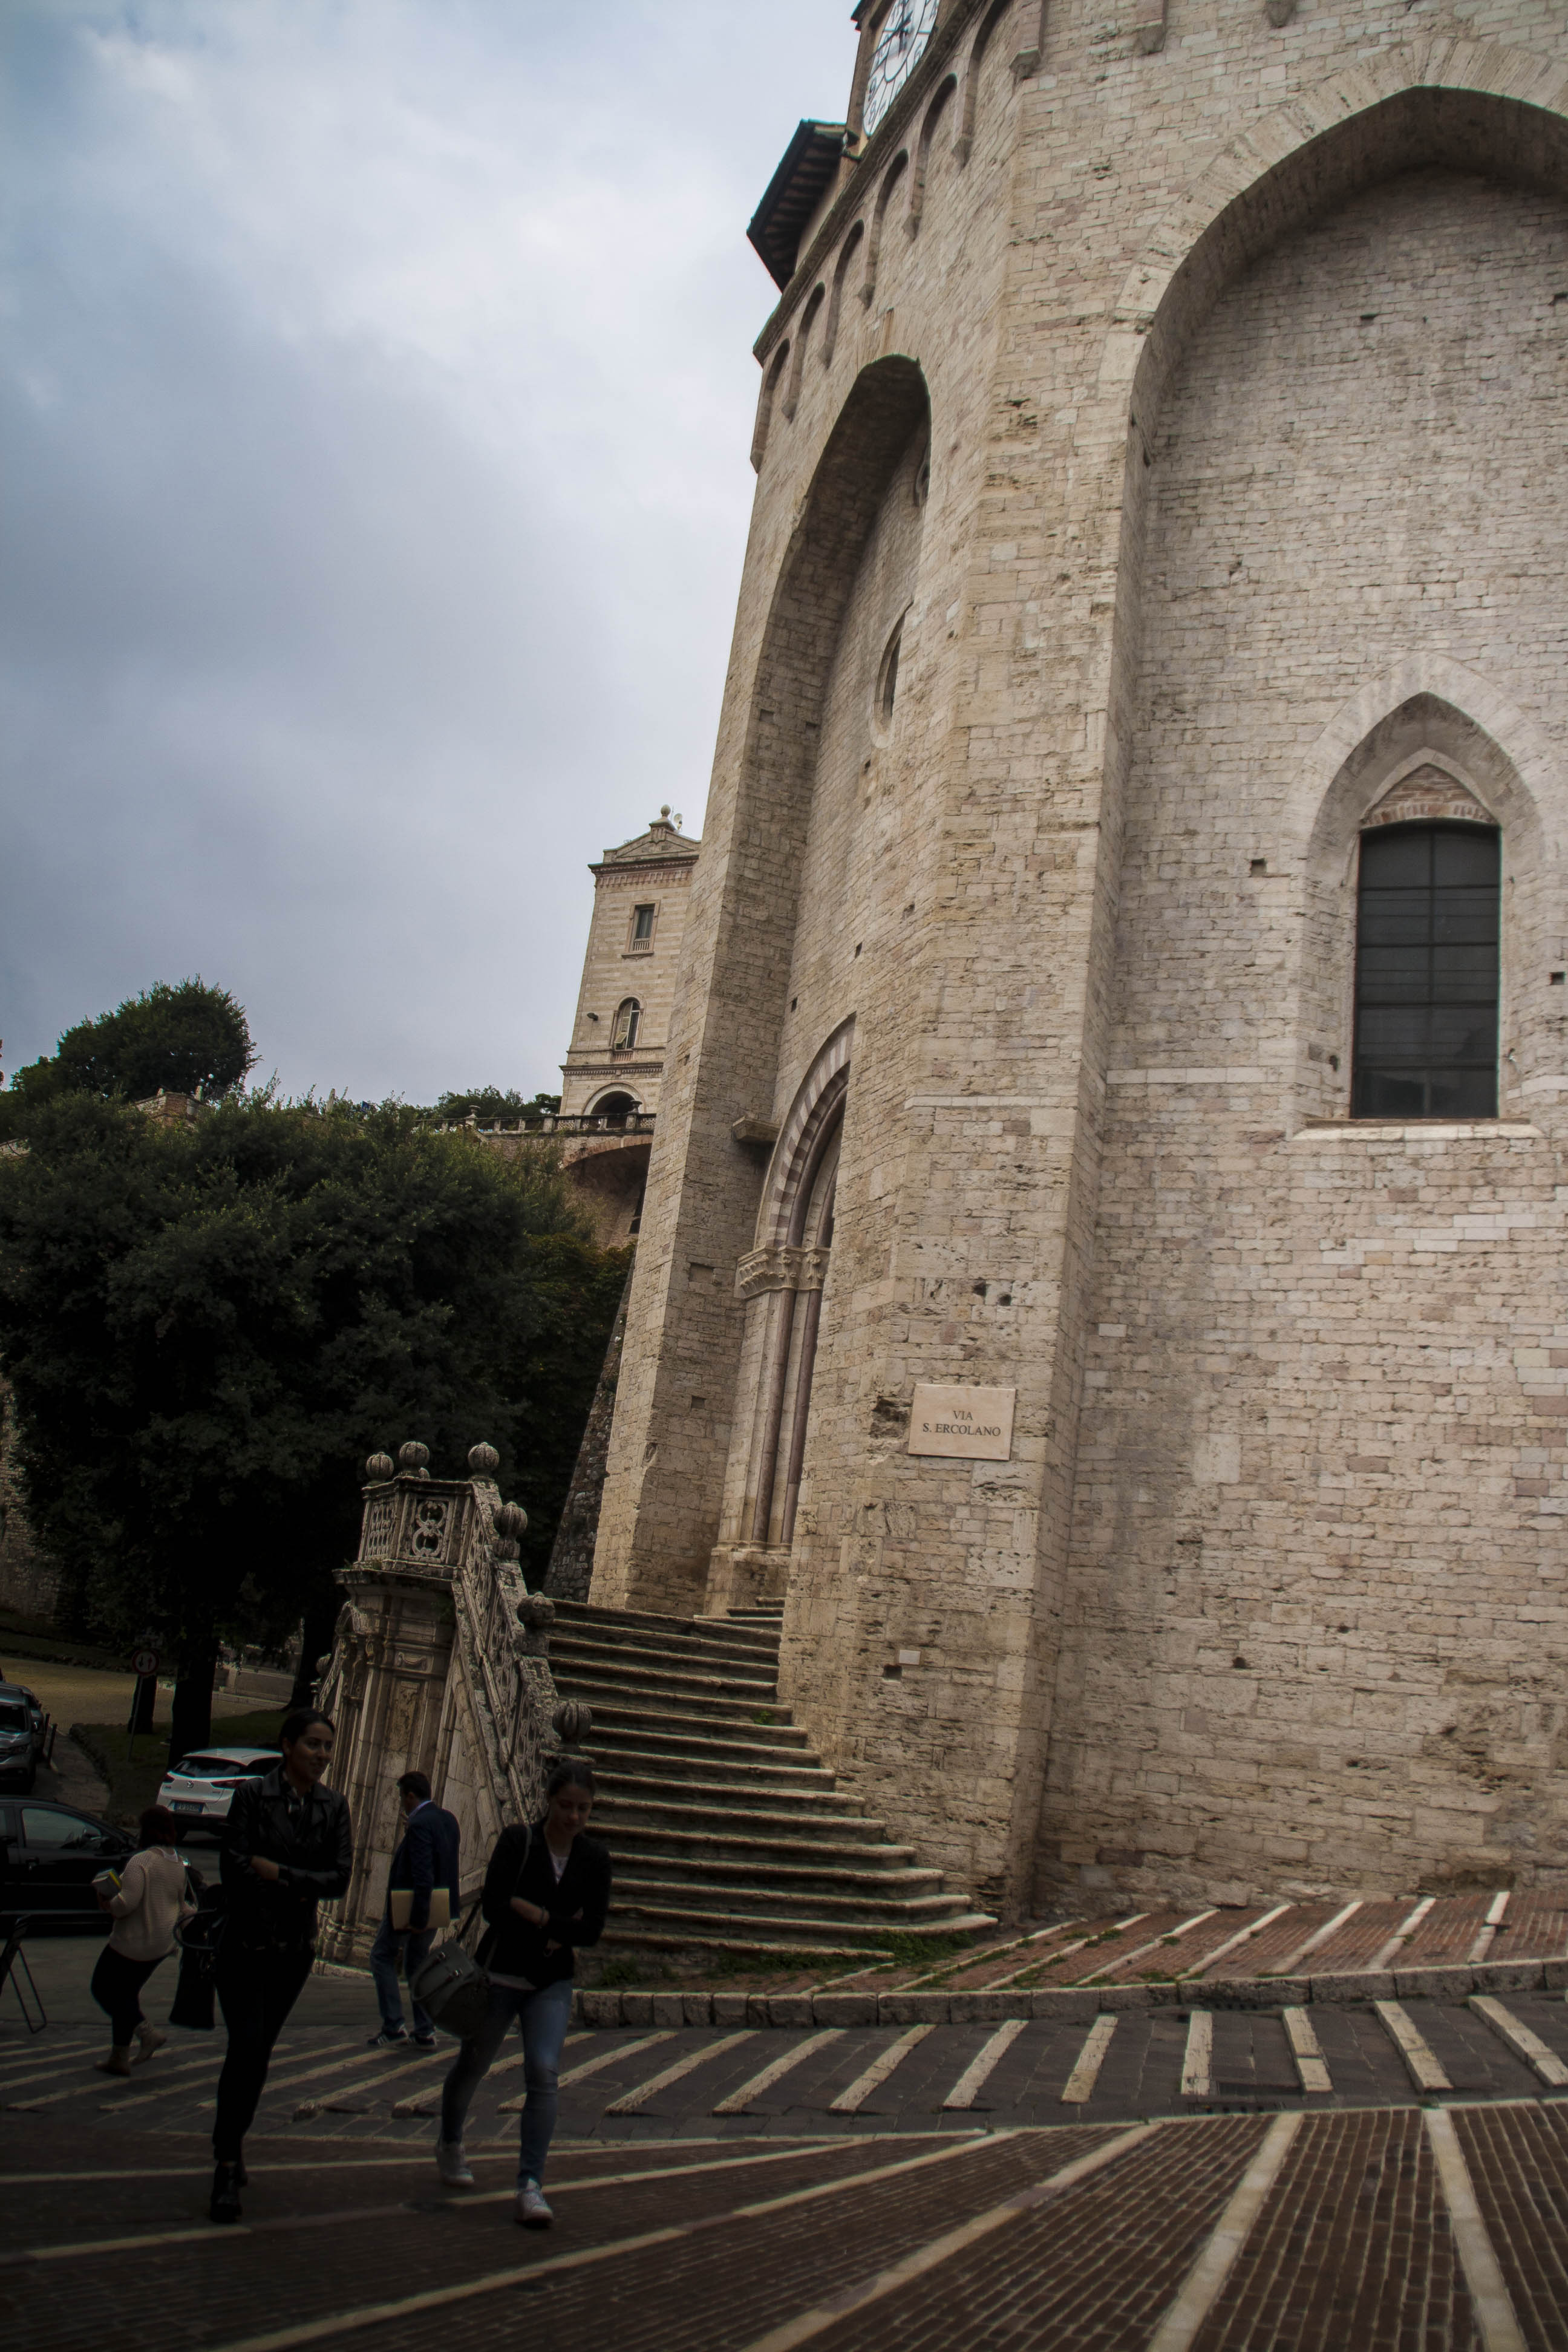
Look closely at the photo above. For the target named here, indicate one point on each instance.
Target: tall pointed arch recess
(667, 1494)
(781, 1282)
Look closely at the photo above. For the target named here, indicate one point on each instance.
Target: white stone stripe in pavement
(1198, 2061)
(630, 2101)
(94, 2084)
(1495, 2315)
(1311, 2066)
(1316, 1941)
(1242, 1936)
(1402, 1933)
(1121, 1928)
(1199, 2291)
(594, 2066)
(377, 2315)
(1080, 2085)
(982, 2066)
(1421, 2060)
(1520, 2040)
(886, 2282)
(1172, 1935)
(850, 2101)
(203, 2235)
(998, 1952)
(29, 2064)
(739, 2101)
(1490, 1927)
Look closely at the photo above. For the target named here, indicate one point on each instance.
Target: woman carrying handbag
(547, 1891)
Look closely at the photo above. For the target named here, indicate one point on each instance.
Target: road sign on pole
(145, 1662)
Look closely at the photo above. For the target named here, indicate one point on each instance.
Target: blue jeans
(543, 2017)
(392, 1945)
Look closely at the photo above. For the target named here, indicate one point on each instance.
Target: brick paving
(1351, 2249)
(1351, 2245)
(1517, 2162)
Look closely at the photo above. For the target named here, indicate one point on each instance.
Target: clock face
(900, 37)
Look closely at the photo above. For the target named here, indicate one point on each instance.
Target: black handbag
(199, 1940)
(453, 1988)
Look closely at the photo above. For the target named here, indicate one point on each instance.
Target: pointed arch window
(628, 1021)
(1427, 934)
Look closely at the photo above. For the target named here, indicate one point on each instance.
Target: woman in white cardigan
(150, 1901)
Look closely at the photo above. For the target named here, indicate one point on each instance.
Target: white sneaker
(531, 2212)
(452, 2164)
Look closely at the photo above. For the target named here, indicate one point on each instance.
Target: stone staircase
(727, 1831)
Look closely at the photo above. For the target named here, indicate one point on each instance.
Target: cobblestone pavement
(1153, 2179)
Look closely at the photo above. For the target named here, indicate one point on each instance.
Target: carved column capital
(776, 1266)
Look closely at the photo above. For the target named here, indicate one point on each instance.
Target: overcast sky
(377, 392)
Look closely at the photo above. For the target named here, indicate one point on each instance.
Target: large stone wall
(1207, 552)
(1317, 1618)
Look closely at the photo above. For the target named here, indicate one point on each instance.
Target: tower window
(628, 1021)
(1426, 972)
(641, 940)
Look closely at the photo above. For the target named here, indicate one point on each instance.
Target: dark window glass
(642, 929)
(1427, 974)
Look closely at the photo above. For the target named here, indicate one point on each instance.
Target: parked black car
(49, 1856)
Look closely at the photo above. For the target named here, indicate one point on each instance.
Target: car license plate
(183, 1805)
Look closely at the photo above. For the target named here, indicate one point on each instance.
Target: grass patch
(134, 1769)
(765, 1714)
(906, 1949)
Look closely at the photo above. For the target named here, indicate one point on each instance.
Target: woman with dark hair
(288, 1845)
(146, 1906)
(546, 1893)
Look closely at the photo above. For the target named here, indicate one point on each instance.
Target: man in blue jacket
(426, 1861)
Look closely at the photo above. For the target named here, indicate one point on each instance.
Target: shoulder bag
(453, 1988)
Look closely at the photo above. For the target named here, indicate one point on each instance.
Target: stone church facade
(1124, 975)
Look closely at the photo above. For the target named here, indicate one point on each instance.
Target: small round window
(887, 684)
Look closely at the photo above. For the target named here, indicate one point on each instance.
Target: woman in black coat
(546, 1893)
(288, 1845)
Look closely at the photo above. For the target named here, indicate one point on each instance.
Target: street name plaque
(967, 1424)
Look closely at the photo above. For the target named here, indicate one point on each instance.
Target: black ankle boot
(241, 2177)
(227, 2180)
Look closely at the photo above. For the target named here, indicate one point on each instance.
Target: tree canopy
(207, 1326)
(489, 1106)
(184, 1038)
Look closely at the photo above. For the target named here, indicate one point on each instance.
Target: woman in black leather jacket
(288, 1845)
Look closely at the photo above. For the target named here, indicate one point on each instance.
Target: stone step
(654, 1665)
(745, 1818)
(657, 1842)
(918, 1910)
(667, 1926)
(760, 1951)
(700, 1694)
(734, 1766)
(636, 1713)
(677, 1787)
(763, 1873)
(713, 1636)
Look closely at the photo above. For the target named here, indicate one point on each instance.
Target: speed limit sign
(145, 1662)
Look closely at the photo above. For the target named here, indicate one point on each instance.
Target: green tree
(207, 1327)
(489, 1106)
(188, 1039)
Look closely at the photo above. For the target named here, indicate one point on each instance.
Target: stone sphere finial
(572, 1722)
(483, 1460)
(510, 1520)
(535, 1616)
(664, 811)
(412, 1459)
(380, 1466)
